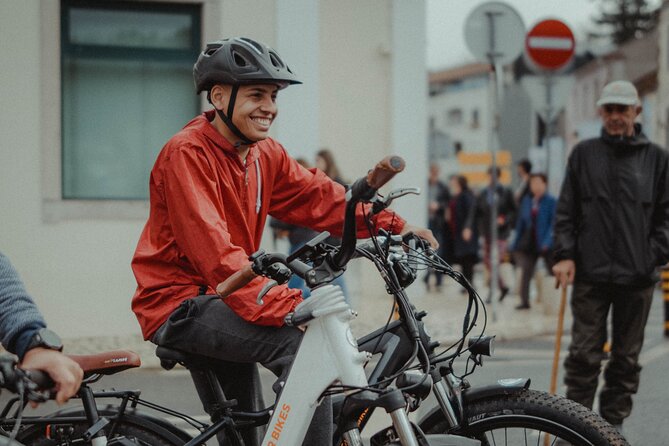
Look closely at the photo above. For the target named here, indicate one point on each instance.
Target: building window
(126, 87)
(454, 116)
(475, 119)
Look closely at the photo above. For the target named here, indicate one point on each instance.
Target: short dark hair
(462, 181)
(526, 165)
(497, 171)
(541, 175)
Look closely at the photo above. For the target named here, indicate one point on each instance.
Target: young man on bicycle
(211, 190)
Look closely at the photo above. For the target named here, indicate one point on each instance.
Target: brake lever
(381, 204)
(265, 289)
(402, 192)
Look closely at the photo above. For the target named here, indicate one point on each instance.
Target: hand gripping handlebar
(362, 190)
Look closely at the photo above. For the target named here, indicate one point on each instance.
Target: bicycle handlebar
(14, 379)
(384, 171)
(364, 190)
(236, 281)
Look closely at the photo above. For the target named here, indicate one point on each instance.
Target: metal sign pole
(494, 79)
(548, 83)
(494, 33)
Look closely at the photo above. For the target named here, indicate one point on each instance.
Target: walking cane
(558, 346)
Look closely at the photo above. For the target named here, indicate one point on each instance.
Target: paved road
(522, 358)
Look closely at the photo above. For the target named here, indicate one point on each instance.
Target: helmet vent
(239, 59)
(253, 43)
(276, 61)
(211, 49)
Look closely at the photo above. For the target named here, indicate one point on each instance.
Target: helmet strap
(227, 119)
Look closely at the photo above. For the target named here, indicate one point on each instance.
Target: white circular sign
(495, 33)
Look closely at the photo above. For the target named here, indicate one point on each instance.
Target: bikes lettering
(278, 426)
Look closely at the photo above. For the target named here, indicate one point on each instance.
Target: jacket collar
(204, 124)
(638, 139)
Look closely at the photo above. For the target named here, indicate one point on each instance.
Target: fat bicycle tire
(531, 414)
(140, 435)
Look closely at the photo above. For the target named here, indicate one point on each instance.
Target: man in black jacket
(481, 214)
(611, 232)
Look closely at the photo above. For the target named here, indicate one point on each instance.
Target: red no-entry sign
(550, 44)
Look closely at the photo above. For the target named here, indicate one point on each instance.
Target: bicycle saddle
(107, 363)
(170, 357)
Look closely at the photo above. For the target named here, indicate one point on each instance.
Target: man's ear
(639, 109)
(220, 96)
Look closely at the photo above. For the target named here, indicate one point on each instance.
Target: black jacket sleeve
(567, 213)
(659, 239)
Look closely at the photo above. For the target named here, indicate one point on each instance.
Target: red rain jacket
(204, 221)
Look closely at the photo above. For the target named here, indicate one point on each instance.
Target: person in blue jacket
(23, 332)
(534, 234)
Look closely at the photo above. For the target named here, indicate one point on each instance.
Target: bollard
(665, 294)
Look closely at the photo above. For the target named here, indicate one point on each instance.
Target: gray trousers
(206, 326)
(527, 263)
(590, 306)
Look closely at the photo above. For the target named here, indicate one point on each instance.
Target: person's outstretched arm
(20, 320)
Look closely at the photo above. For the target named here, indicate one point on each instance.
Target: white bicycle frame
(327, 355)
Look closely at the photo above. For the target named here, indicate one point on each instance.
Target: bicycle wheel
(528, 417)
(138, 434)
(4, 441)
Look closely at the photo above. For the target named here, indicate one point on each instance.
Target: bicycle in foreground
(330, 362)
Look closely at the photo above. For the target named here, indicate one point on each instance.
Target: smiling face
(618, 119)
(255, 109)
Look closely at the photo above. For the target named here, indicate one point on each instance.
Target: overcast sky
(446, 46)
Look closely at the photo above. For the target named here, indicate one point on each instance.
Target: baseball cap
(619, 92)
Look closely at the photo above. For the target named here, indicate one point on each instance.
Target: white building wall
(366, 104)
(355, 83)
(662, 115)
(408, 94)
(473, 139)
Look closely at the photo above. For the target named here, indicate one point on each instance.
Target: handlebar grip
(384, 171)
(236, 281)
(41, 379)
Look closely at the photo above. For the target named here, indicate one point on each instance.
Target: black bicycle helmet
(240, 60)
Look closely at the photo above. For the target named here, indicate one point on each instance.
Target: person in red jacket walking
(211, 190)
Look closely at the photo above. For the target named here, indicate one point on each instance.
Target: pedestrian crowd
(461, 219)
(606, 234)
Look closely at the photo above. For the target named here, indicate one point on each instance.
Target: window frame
(54, 207)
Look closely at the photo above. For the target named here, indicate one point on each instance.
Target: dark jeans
(467, 263)
(590, 306)
(206, 326)
(527, 261)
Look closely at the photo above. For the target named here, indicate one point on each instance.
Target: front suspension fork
(446, 390)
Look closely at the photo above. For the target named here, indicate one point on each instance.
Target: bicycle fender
(473, 394)
(134, 416)
(507, 386)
